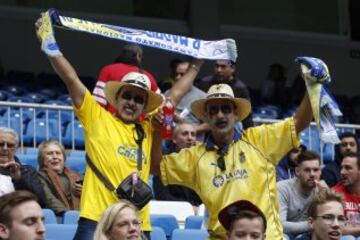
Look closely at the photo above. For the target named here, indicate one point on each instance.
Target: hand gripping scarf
(213, 50)
(316, 75)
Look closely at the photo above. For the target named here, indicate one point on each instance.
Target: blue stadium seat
(269, 111)
(28, 159)
(42, 130)
(65, 98)
(60, 231)
(14, 123)
(36, 97)
(194, 222)
(328, 152)
(50, 93)
(78, 135)
(4, 95)
(49, 216)
(186, 234)
(16, 90)
(157, 234)
(167, 222)
(77, 153)
(71, 217)
(77, 164)
(21, 99)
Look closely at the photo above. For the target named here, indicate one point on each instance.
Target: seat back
(49, 216)
(157, 233)
(71, 217)
(167, 222)
(60, 231)
(186, 234)
(194, 222)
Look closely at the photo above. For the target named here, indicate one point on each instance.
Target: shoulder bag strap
(106, 182)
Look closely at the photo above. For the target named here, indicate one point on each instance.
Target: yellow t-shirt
(250, 173)
(110, 144)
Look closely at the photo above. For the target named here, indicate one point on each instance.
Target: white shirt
(6, 185)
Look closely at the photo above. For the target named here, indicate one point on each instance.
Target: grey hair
(12, 132)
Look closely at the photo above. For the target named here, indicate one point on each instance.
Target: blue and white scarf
(316, 75)
(213, 50)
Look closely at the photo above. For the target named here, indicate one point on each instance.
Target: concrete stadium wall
(258, 48)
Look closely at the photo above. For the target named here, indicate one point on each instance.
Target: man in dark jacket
(331, 172)
(23, 177)
(224, 72)
(184, 137)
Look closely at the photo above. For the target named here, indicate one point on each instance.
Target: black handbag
(132, 188)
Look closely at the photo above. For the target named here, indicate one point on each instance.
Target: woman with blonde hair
(120, 221)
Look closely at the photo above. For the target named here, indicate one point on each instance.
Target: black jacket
(29, 181)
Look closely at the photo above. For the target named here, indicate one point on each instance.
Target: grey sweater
(293, 207)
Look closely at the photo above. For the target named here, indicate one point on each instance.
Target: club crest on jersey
(242, 157)
(218, 181)
(130, 152)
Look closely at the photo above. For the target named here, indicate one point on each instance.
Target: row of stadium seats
(165, 226)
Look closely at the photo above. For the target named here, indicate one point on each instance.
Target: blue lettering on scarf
(196, 44)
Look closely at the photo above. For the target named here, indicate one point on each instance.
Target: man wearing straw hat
(111, 140)
(231, 165)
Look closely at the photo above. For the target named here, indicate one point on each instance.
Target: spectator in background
(331, 172)
(183, 109)
(273, 88)
(6, 185)
(129, 61)
(286, 167)
(21, 217)
(297, 90)
(119, 222)
(224, 72)
(184, 137)
(326, 217)
(167, 83)
(62, 186)
(296, 194)
(23, 177)
(349, 188)
(243, 220)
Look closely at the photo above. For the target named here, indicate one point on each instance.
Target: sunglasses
(225, 109)
(137, 99)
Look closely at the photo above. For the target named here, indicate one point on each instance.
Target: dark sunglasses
(137, 99)
(225, 108)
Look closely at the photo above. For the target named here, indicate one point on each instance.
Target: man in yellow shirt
(230, 165)
(110, 140)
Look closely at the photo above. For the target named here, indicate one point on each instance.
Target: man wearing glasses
(230, 165)
(349, 188)
(23, 177)
(326, 217)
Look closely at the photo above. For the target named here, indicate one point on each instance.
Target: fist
(314, 69)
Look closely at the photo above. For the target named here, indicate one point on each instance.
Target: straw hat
(221, 91)
(226, 215)
(138, 80)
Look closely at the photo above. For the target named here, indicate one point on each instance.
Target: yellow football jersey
(249, 174)
(110, 144)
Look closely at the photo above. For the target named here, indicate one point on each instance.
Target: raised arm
(66, 72)
(303, 115)
(184, 84)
